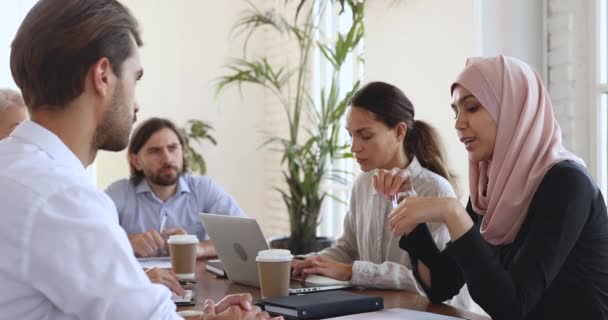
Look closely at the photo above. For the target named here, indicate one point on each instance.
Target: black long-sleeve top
(556, 268)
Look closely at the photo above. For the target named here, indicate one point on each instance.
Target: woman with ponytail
(532, 243)
(399, 156)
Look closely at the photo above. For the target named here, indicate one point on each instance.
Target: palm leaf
(199, 131)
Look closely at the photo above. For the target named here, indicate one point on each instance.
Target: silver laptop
(238, 241)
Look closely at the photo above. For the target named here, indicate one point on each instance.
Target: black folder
(321, 305)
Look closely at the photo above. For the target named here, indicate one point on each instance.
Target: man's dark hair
(142, 134)
(58, 42)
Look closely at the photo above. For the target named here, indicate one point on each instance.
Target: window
(11, 15)
(334, 208)
(601, 94)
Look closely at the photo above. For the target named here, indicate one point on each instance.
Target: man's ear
(401, 131)
(134, 161)
(102, 77)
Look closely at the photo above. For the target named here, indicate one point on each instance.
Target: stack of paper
(158, 262)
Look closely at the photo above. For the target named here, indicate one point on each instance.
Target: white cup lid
(274, 255)
(182, 239)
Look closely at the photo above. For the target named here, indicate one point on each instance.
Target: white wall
(185, 45)
(420, 46)
(573, 73)
(11, 14)
(513, 28)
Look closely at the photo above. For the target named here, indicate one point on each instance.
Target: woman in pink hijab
(532, 242)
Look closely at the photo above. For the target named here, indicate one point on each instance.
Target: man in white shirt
(64, 255)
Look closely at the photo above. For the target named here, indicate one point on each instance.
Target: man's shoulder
(34, 180)
(122, 185)
(195, 183)
(32, 169)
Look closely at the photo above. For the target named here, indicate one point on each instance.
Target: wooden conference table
(209, 286)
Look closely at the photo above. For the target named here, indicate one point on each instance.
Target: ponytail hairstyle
(391, 107)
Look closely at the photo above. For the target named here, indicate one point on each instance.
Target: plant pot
(300, 246)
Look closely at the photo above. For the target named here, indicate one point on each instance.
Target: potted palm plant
(313, 138)
(196, 130)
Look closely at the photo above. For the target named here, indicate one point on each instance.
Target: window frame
(598, 121)
(335, 207)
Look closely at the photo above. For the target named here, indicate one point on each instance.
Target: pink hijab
(528, 143)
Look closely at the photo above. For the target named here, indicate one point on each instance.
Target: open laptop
(238, 241)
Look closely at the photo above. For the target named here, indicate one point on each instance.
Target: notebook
(321, 305)
(186, 300)
(396, 314)
(216, 267)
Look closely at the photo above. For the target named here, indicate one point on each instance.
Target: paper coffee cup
(182, 249)
(274, 268)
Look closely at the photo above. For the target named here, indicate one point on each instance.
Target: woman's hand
(414, 210)
(323, 266)
(393, 182)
